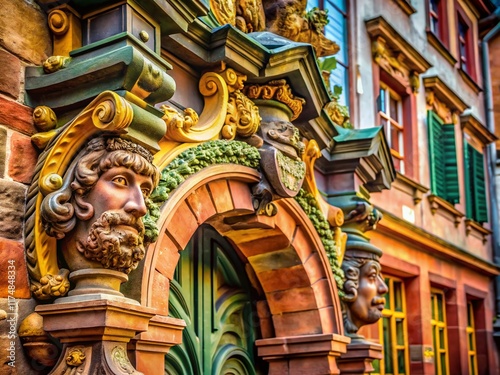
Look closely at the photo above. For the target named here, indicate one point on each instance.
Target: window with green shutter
(476, 207)
(443, 158)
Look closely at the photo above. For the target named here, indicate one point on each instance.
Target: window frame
(471, 339)
(436, 324)
(469, 43)
(442, 33)
(390, 123)
(345, 97)
(392, 314)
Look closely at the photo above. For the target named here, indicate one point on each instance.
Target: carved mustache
(378, 301)
(116, 218)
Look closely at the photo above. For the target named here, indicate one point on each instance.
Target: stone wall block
(24, 31)
(12, 198)
(16, 116)
(22, 159)
(10, 74)
(13, 272)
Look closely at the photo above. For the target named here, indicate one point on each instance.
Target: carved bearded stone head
(97, 214)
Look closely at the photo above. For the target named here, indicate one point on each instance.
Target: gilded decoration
(66, 29)
(276, 90)
(188, 127)
(394, 63)
(441, 109)
(247, 15)
(75, 357)
(287, 18)
(243, 118)
(55, 63)
(109, 113)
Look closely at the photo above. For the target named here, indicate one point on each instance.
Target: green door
(211, 292)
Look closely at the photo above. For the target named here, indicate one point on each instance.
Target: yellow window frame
(393, 315)
(471, 339)
(438, 324)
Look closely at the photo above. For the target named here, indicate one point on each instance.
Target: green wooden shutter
(436, 154)
(477, 208)
(452, 193)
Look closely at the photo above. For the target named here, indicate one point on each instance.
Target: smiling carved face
(367, 307)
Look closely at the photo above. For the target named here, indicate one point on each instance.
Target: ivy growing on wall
(231, 152)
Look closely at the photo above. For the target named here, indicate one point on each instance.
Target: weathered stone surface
(31, 40)
(22, 363)
(12, 196)
(22, 159)
(10, 74)
(16, 116)
(3, 150)
(13, 272)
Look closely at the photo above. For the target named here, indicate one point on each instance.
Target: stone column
(147, 350)
(298, 355)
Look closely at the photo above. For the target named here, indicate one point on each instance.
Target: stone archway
(300, 309)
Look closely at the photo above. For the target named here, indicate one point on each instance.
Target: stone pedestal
(148, 349)
(94, 334)
(359, 357)
(298, 355)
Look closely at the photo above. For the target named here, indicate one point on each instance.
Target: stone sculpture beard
(116, 240)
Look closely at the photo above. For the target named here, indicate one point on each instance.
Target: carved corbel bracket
(215, 93)
(64, 23)
(438, 203)
(108, 113)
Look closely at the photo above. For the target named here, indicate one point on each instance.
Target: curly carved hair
(61, 208)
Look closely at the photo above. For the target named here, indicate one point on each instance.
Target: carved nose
(382, 287)
(136, 205)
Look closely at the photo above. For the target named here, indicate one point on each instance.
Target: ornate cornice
(380, 28)
(444, 94)
(470, 123)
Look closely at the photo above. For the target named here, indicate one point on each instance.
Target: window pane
(336, 30)
(400, 332)
(441, 338)
(395, 139)
(401, 362)
(387, 345)
(393, 107)
(339, 77)
(471, 341)
(440, 307)
(340, 4)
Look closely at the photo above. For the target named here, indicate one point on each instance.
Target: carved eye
(146, 192)
(120, 180)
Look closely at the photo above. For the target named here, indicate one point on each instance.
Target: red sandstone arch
(282, 254)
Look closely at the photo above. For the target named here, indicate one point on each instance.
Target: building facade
(271, 181)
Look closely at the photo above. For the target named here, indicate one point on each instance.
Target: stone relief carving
(57, 204)
(363, 299)
(287, 18)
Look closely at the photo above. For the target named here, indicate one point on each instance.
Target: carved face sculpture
(116, 235)
(111, 182)
(364, 289)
